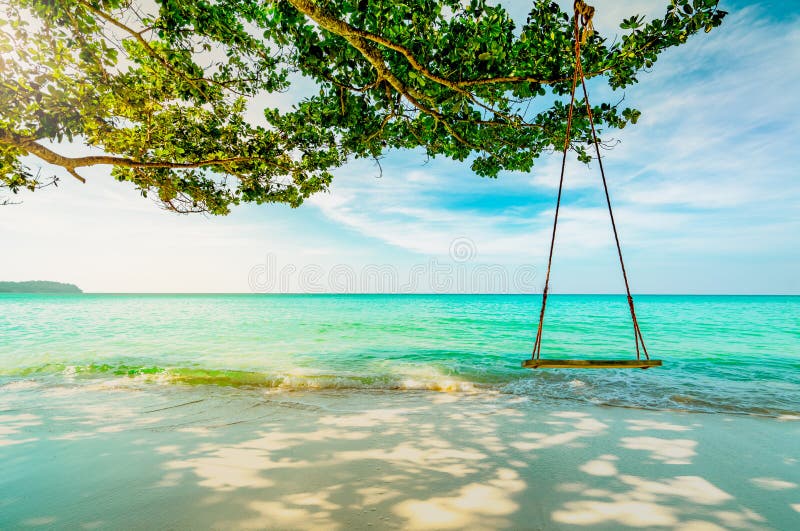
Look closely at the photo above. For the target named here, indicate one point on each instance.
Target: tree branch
(70, 164)
(373, 55)
(345, 29)
(143, 42)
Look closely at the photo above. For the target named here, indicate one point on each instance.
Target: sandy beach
(117, 456)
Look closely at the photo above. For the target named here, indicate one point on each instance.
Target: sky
(705, 190)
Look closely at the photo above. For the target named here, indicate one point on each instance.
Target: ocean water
(736, 354)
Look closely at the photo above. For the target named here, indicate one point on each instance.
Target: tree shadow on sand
(189, 457)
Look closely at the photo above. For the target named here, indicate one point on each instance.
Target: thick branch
(70, 164)
(373, 55)
(343, 29)
(346, 30)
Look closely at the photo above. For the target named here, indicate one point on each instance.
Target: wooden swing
(583, 29)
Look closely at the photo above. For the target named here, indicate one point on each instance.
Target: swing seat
(590, 364)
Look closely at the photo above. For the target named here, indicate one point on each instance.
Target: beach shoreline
(180, 457)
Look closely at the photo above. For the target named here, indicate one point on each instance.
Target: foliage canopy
(166, 92)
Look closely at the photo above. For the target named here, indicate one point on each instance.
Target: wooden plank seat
(544, 363)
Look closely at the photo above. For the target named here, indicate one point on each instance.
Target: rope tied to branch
(586, 13)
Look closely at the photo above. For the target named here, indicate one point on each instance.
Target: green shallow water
(721, 353)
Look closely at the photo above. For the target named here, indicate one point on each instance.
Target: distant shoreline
(38, 286)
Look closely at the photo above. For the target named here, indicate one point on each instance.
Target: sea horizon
(539, 294)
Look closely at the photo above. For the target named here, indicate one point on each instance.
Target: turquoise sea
(738, 354)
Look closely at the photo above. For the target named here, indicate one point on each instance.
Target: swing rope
(582, 30)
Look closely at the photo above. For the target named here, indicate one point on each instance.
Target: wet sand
(108, 456)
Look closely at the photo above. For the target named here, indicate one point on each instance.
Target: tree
(163, 95)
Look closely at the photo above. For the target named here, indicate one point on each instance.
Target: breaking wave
(653, 389)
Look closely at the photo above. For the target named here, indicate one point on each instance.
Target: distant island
(38, 286)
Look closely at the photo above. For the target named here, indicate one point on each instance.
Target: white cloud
(722, 138)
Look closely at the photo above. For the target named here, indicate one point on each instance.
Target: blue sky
(705, 188)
